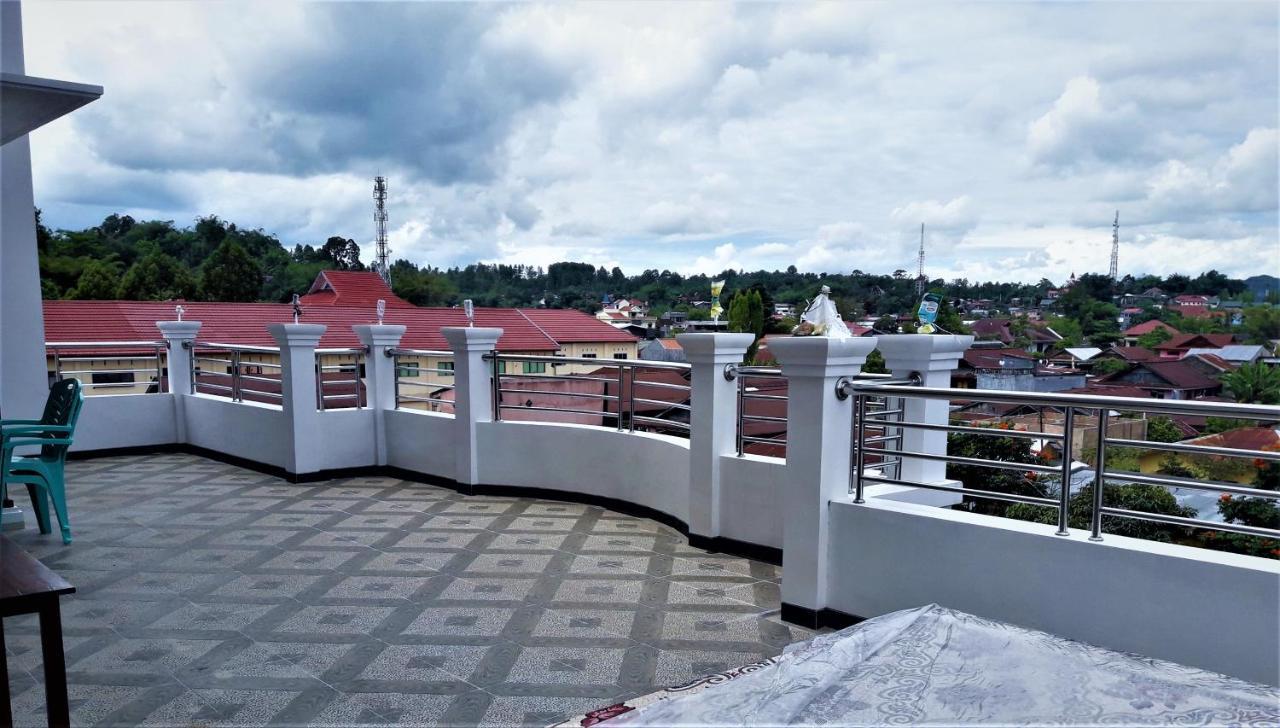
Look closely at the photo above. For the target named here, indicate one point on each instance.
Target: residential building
(1015, 370)
(661, 350)
(1166, 379)
(1039, 338)
(1131, 334)
(1178, 346)
(1224, 469)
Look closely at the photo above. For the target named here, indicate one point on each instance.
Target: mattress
(938, 666)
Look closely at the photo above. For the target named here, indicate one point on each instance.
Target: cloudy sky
(694, 137)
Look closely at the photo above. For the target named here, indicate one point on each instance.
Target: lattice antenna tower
(921, 281)
(1115, 248)
(380, 228)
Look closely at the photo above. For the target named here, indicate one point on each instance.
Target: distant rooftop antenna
(380, 227)
(1115, 247)
(921, 281)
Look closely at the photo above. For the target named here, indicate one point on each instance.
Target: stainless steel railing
(434, 396)
(629, 394)
(340, 385)
(81, 355)
(1105, 411)
(239, 380)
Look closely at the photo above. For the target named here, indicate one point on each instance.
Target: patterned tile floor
(213, 595)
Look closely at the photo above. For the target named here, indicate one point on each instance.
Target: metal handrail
(1070, 405)
(625, 399)
(401, 398)
(157, 352)
(238, 347)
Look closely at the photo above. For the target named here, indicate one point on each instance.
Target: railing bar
(596, 413)
(663, 403)
(1029, 499)
(659, 420)
(764, 418)
(1213, 486)
(1202, 449)
(588, 395)
(765, 440)
(561, 377)
(780, 397)
(976, 462)
(991, 431)
(412, 383)
(1191, 522)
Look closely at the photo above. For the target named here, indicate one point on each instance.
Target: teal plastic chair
(42, 472)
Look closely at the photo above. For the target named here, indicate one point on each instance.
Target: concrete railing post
(298, 392)
(713, 421)
(934, 358)
(819, 441)
(380, 377)
(472, 394)
(179, 337)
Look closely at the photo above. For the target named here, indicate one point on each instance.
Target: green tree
(1107, 366)
(157, 277)
(1255, 383)
(1134, 497)
(1154, 337)
(993, 447)
(746, 315)
(1262, 323)
(1162, 429)
(1249, 511)
(230, 274)
(344, 253)
(98, 281)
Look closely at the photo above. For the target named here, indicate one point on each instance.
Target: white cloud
(819, 135)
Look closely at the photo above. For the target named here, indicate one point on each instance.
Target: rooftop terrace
(208, 594)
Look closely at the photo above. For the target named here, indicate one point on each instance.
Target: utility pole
(1115, 248)
(380, 228)
(921, 281)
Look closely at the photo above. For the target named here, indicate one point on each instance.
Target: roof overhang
(28, 103)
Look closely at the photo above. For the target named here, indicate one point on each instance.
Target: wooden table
(28, 586)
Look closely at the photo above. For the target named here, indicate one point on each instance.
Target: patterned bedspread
(937, 666)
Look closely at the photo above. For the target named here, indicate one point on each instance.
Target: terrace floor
(213, 595)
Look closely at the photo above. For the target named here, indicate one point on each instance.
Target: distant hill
(1262, 285)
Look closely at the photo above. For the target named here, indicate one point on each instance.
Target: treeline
(217, 260)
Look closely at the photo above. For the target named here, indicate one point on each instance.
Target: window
(407, 369)
(588, 356)
(445, 368)
(113, 378)
(535, 367)
(620, 355)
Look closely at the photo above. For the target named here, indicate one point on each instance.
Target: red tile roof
(245, 323)
(1147, 327)
(1132, 353)
(351, 288)
(1178, 375)
(1201, 341)
(568, 326)
(669, 344)
(1243, 438)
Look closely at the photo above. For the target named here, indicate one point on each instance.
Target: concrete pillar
(472, 394)
(380, 377)
(24, 382)
(819, 440)
(934, 358)
(179, 337)
(713, 421)
(298, 388)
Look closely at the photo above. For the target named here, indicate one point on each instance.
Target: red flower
(1225, 498)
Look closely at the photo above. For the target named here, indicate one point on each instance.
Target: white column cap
(923, 352)
(821, 356)
(179, 330)
(296, 334)
(469, 338)
(379, 334)
(712, 348)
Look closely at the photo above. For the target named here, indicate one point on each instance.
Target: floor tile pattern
(214, 595)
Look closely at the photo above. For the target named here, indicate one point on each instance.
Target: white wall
(752, 492)
(248, 430)
(345, 439)
(641, 468)
(423, 442)
(125, 420)
(1198, 607)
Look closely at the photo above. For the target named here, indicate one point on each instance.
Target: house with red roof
(1178, 346)
(332, 300)
(1132, 333)
(1165, 379)
(1241, 438)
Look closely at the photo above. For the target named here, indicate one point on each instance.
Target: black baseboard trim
(718, 544)
(818, 618)
(723, 544)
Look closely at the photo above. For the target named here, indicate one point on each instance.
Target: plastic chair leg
(39, 504)
(59, 497)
